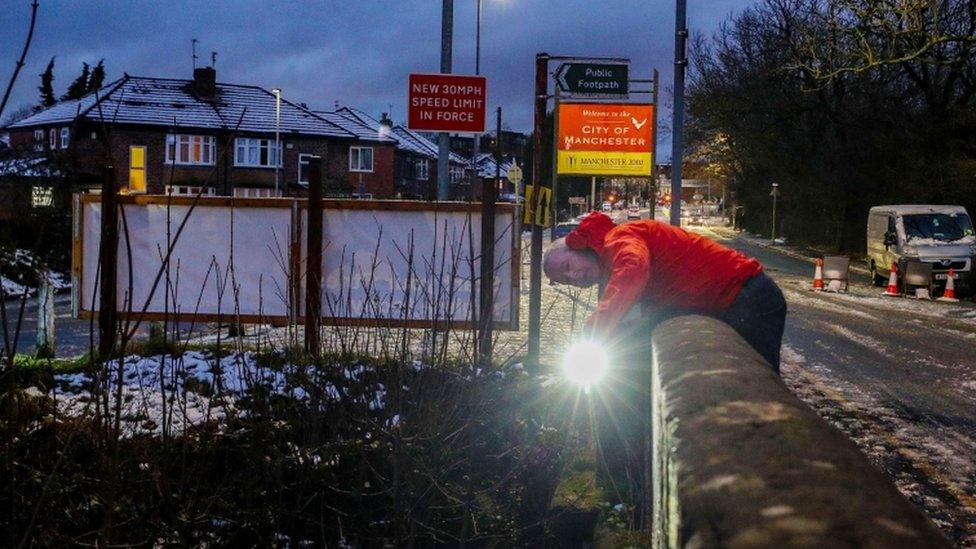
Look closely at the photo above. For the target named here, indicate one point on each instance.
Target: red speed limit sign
(447, 103)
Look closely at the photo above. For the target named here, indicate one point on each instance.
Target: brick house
(487, 167)
(179, 135)
(415, 158)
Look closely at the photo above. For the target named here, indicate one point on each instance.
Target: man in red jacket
(674, 272)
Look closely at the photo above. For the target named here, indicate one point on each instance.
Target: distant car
(633, 212)
(565, 228)
(607, 207)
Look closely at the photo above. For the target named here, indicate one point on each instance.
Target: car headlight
(585, 363)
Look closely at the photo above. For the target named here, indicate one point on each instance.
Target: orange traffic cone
(818, 284)
(892, 281)
(950, 290)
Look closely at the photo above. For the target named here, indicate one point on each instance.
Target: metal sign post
(535, 268)
(653, 193)
(487, 290)
(555, 171)
(514, 175)
(775, 194)
(313, 269)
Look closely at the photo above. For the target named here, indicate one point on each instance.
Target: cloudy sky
(355, 52)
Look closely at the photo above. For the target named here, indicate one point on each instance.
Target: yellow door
(137, 169)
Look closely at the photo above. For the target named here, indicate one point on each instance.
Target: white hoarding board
(383, 262)
(412, 265)
(225, 260)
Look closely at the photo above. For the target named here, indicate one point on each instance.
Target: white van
(940, 235)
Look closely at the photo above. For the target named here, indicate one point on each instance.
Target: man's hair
(560, 244)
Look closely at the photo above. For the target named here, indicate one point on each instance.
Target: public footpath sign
(614, 139)
(447, 103)
(594, 79)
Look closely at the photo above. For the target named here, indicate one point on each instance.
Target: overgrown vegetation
(846, 104)
(447, 458)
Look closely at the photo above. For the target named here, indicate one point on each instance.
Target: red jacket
(668, 267)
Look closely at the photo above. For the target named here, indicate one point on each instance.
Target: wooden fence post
(108, 252)
(313, 266)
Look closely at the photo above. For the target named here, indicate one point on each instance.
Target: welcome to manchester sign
(615, 139)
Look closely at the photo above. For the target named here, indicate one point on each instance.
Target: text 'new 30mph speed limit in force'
(615, 139)
(447, 103)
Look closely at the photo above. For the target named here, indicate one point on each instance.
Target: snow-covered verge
(267, 450)
(21, 270)
(175, 393)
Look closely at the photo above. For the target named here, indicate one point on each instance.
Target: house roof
(172, 103)
(356, 127)
(486, 166)
(33, 166)
(407, 140)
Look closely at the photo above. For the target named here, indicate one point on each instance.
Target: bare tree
(23, 56)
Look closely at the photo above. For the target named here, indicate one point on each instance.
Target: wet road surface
(897, 375)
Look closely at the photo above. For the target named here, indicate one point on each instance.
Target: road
(897, 375)
(71, 335)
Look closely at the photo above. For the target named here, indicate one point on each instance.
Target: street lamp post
(475, 173)
(277, 92)
(775, 194)
(677, 132)
(444, 139)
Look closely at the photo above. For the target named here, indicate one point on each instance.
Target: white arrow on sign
(561, 76)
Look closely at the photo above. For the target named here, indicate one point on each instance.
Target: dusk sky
(356, 52)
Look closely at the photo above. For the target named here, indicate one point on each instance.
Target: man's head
(567, 266)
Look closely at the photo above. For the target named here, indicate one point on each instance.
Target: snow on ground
(191, 389)
(924, 463)
(853, 303)
(818, 301)
(23, 262)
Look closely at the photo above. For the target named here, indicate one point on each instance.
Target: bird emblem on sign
(637, 124)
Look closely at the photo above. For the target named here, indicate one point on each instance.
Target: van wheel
(876, 279)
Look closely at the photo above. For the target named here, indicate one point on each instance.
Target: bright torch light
(585, 363)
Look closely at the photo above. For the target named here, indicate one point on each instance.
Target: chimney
(386, 125)
(205, 82)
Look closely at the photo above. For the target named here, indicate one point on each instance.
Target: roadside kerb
(737, 459)
(764, 243)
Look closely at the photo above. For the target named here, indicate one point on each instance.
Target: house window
(64, 138)
(54, 138)
(190, 150)
(137, 169)
(189, 190)
(303, 168)
(38, 140)
(360, 159)
(423, 169)
(255, 192)
(257, 153)
(41, 197)
(457, 174)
